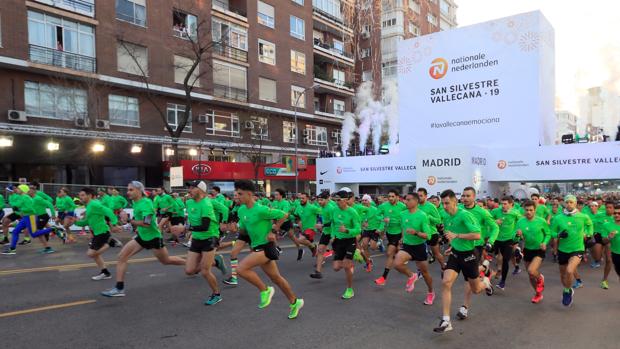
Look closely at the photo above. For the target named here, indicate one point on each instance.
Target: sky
(587, 40)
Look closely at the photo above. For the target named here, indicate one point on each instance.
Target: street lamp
(297, 136)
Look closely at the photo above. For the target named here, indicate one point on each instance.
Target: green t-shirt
(577, 225)
(360, 209)
(220, 210)
(351, 221)
(327, 216)
(535, 231)
(107, 200)
(256, 221)
(462, 222)
(165, 203)
(179, 208)
(489, 229)
(542, 211)
(65, 204)
(44, 196)
(40, 206)
(599, 220)
(507, 228)
(282, 205)
(308, 214)
(615, 242)
(433, 215)
(196, 211)
(417, 221)
(372, 217)
(141, 209)
(387, 210)
(118, 202)
(96, 213)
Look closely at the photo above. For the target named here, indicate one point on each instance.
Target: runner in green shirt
(601, 249)
(149, 237)
(256, 221)
(541, 210)
(66, 212)
(434, 219)
(462, 231)
(308, 214)
(390, 211)
(16, 201)
(281, 203)
(95, 218)
(534, 229)
(417, 232)
(571, 228)
(504, 245)
(327, 231)
(346, 227)
(371, 221)
(611, 235)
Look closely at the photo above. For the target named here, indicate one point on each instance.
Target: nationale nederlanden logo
(431, 180)
(438, 69)
(338, 170)
(501, 164)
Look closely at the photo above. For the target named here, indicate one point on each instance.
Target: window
(431, 19)
(56, 102)
(444, 6)
(339, 46)
(266, 52)
(339, 107)
(229, 81)
(132, 11)
(414, 29)
(132, 59)
(365, 52)
(298, 28)
(222, 124)
(176, 113)
(266, 15)
(230, 34)
(315, 135)
(85, 7)
(389, 45)
(389, 68)
(329, 8)
(288, 132)
(267, 90)
(299, 2)
(298, 95)
(298, 62)
(123, 111)
(338, 77)
(389, 22)
(367, 75)
(443, 25)
(184, 25)
(182, 65)
(414, 6)
(261, 128)
(337, 137)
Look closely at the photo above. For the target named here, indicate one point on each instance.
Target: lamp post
(297, 135)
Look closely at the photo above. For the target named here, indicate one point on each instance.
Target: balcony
(329, 50)
(228, 92)
(327, 84)
(45, 55)
(330, 12)
(231, 10)
(230, 52)
(85, 7)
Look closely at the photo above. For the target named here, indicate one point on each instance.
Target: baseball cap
(570, 198)
(198, 184)
(593, 203)
(24, 188)
(341, 194)
(348, 191)
(324, 194)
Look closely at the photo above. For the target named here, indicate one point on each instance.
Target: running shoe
(380, 281)
(462, 314)
(46, 250)
(488, 286)
(102, 276)
(540, 284)
(357, 256)
(567, 297)
(113, 292)
(25, 242)
(9, 251)
(411, 283)
(220, 264)
(518, 255)
(604, 285)
(537, 298)
(295, 308)
(501, 285)
(213, 299)
(328, 253)
(187, 244)
(232, 281)
(265, 297)
(595, 265)
(444, 326)
(516, 271)
(578, 284)
(316, 275)
(380, 245)
(368, 266)
(60, 232)
(348, 293)
(430, 298)
(300, 254)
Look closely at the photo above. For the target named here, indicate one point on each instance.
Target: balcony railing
(49, 56)
(328, 15)
(224, 91)
(322, 74)
(223, 5)
(329, 47)
(230, 52)
(82, 6)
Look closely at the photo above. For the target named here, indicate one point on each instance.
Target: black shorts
(98, 241)
(393, 239)
(434, 241)
(286, 226)
(207, 245)
(528, 255)
(615, 258)
(370, 234)
(14, 217)
(464, 262)
(499, 245)
(270, 249)
(154, 244)
(478, 253)
(563, 257)
(243, 236)
(325, 239)
(598, 238)
(343, 248)
(63, 215)
(417, 252)
(177, 221)
(42, 221)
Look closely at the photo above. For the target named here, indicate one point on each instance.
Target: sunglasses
(616, 213)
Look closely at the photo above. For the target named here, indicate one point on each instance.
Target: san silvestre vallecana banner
(489, 84)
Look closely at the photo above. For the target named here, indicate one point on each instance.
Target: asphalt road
(163, 309)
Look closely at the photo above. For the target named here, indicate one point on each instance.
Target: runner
(281, 203)
(15, 202)
(571, 228)
(371, 221)
(308, 214)
(604, 217)
(461, 230)
(417, 232)
(95, 218)
(390, 212)
(328, 207)
(149, 237)
(256, 221)
(346, 224)
(611, 235)
(66, 212)
(434, 220)
(534, 229)
(506, 221)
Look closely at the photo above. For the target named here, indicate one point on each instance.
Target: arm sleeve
(380, 217)
(110, 214)
(270, 213)
(546, 232)
(204, 225)
(50, 205)
(426, 227)
(356, 226)
(589, 227)
(433, 215)
(492, 227)
(221, 209)
(123, 201)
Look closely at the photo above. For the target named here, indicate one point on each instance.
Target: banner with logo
(487, 84)
(230, 171)
(439, 169)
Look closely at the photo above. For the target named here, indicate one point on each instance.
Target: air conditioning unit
(81, 121)
(17, 115)
(103, 124)
(365, 35)
(306, 140)
(248, 125)
(335, 134)
(203, 119)
(306, 132)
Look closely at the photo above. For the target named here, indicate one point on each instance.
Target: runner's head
(412, 200)
(507, 203)
(135, 190)
(393, 196)
(448, 199)
(303, 199)
(279, 194)
(530, 209)
(22, 189)
(593, 207)
(481, 203)
(86, 194)
(434, 200)
(366, 200)
(535, 197)
(323, 198)
(197, 189)
(571, 202)
(617, 213)
(215, 191)
(469, 197)
(609, 207)
(62, 192)
(423, 194)
(341, 197)
(244, 189)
